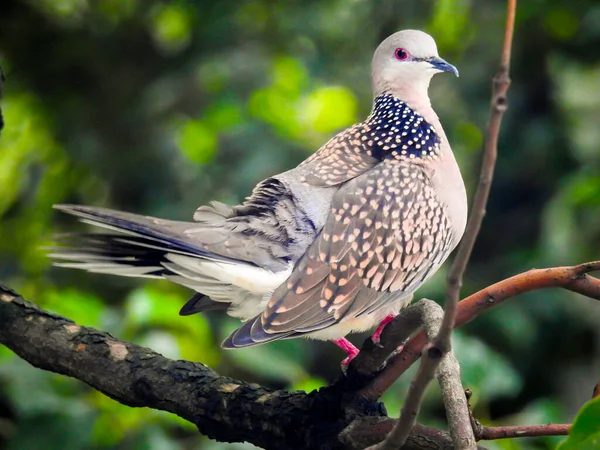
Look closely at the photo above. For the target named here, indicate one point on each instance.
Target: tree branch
(573, 278)
(493, 433)
(369, 431)
(222, 408)
(455, 403)
(431, 318)
(499, 104)
(448, 374)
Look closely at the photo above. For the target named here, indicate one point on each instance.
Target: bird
(336, 245)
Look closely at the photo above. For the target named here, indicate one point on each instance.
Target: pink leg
(377, 335)
(348, 347)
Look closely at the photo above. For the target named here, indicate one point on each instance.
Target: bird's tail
(141, 246)
(136, 247)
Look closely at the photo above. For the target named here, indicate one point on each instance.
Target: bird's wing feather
(386, 232)
(344, 157)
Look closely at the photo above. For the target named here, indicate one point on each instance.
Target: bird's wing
(249, 234)
(344, 157)
(386, 232)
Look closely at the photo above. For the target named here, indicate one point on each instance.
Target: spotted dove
(335, 245)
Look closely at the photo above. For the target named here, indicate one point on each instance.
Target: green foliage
(171, 26)
(486, 372)
(197, 141)
(157, 107)
(150, 317)
(585, 433)
(450, 23)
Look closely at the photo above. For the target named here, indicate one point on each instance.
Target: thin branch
(412, 404)
(431, 319)
(368, 431)
(448, 374)
(573, 278)
(596, 392)
(498, 106)
(455, 402)
(483, 433)
(519, 431)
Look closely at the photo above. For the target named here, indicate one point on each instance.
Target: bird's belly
(361, 323)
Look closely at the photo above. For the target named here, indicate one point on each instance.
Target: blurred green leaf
(83, 307)
(69, 10)
(487, 373)
(561, 23)
(224, 115)
(331, 108)
(116, 10)
(308, 384)
(585, 434)
(197, 141)
(171, 26)
(289, 75)
(450, 23)
(151, 314)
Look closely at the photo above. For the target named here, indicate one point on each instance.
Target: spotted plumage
(392, 131)
(335, 245)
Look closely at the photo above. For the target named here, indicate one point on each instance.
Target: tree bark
(222, 408)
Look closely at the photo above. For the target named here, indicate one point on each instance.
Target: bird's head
(404, 63)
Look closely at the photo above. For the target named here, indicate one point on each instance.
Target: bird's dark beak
(443, 66)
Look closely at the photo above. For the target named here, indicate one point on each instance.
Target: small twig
(448, 373)
(455, 403)
(596, 392)
(519, 431)
(573, 278)
(412, 403)
(483, 433)
(368, 431)
(498, 106)
(431, 319)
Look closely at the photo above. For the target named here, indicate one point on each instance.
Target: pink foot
(377, 335)
(348, 347)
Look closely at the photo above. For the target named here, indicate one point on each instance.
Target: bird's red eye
(401, 54)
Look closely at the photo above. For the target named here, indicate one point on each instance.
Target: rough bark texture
(222, 408)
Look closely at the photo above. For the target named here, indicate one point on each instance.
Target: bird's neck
(414, 95)
(417, 99)
(396, 130)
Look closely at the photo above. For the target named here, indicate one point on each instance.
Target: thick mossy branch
(222, 408)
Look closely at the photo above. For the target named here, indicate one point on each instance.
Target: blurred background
(157, 107)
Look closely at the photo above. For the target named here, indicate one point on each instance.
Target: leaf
(330, 108)
(151, 314)
(309, 384)
(484, 371)
(82, 307)
(171, 26)
(197, 141)
(585, 433)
